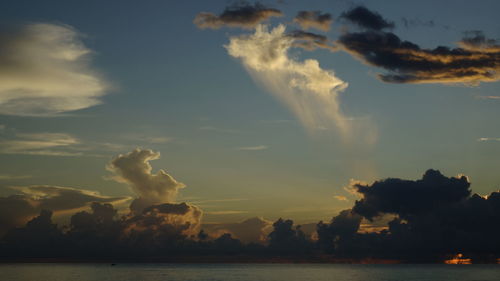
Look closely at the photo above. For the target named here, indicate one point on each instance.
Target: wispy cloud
(253, 148)
(55, 144)
(488, 97)
(228, 212)
(340, 198)
(13, 177)
(219, 130)
(40, 144)
(488, 139)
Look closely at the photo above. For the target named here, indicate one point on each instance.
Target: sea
(247, 272)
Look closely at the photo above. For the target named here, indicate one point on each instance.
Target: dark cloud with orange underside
(476, 60)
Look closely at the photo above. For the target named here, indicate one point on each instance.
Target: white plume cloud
(309, 91)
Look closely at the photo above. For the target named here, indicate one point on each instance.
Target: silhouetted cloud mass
(16, 210)
(314, 19)
(243, 15)
(250, 230)
(427, 219)
(367, 19)
(407, 198)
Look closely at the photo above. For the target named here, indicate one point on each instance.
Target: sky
(86, 83)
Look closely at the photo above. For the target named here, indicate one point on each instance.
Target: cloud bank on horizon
(429, 219)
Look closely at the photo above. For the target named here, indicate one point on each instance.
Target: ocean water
(246, 272)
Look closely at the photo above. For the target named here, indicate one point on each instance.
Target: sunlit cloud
(340, 198)
(309, 91)
(44, 70)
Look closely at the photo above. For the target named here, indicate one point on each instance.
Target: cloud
(314, 19)
(476, 41)
(253, 148)
(14, 177)
(15, 210)
(52, 144)
(489, 97)
(250, 230)
(44, 70)
(488, 139)
(367, 19)
(241, 15)
(134, 169)
(408, 63)
(167, 219)
(309, 91)
(477, 60)
(311, 41)
(407, 198)
(340, 198)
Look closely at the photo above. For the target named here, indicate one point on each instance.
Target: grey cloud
(243, 15)
(314, 19)
(367, 19)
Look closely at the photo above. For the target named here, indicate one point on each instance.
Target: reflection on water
(458, 259)
(246, 272)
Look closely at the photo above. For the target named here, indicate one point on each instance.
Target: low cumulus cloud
(134, 169)
(477, 60)
(309, 91)
(154, 211)
(243, 15)
(314, 19)
(44, 70)
(17, 209)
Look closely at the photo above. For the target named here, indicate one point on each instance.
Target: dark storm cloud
(407, 197)
(478, 60)
(15, 210)
(314, 19)
(243, 15)
(310, 41)
(365, 18)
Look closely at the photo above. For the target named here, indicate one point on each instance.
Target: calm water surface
(246, 272)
